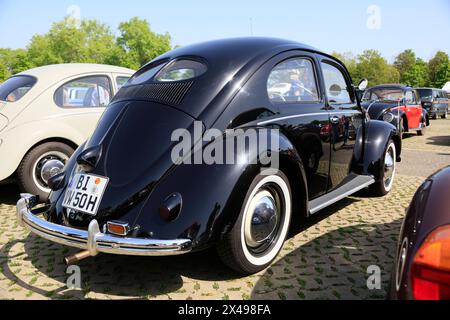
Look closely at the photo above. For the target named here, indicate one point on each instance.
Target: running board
(354, 185)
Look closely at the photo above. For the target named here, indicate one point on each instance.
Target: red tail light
(430, 273)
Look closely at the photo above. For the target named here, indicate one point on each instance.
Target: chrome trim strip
(94, 241)
(340, 197)
(306, 115)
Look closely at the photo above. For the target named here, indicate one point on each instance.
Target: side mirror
(363, 84)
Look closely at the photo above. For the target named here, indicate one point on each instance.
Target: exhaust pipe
(76, 258)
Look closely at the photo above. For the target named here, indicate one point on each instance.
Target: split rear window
(177, 70)
(14, 88)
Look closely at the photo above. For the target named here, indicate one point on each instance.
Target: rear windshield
(178, 70)
(16, 87)
(425, 94)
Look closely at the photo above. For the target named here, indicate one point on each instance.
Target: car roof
(239, 49)
(65, 70)
(424, 88)
(393, 86)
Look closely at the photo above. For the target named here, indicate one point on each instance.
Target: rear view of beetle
(123, 193)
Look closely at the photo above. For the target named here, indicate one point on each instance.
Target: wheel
(445, 115)
(384, 184)
(39, 165)
(423, 131)
(262, 226)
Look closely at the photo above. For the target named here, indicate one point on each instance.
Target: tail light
(430, 273)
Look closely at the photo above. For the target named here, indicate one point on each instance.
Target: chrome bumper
(93, 240)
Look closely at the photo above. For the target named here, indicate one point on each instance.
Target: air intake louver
(167, 93)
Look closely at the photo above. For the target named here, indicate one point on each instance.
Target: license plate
(85, 192)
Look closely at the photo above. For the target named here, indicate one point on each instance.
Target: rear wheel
(422, 131)
(261, 229)
(385, 182)
(40, 164)
(445, 115)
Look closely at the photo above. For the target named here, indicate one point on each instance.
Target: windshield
(425, 94)
(16, 87)
(383, 94)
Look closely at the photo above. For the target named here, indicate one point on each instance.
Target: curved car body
(422, 266)
(53, 109)
(398, 105)
(152, 205)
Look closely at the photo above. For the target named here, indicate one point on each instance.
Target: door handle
(334, 120)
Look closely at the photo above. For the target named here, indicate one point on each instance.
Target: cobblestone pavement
(326, 259)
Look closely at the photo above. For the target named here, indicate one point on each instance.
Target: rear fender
(212, 195)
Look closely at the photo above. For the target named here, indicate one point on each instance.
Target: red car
(397, 104)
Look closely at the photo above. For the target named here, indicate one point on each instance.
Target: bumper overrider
(92, 239)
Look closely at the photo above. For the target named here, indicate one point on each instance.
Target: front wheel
(39, 165)
(384, 184)
(262, 225)
(445, 115)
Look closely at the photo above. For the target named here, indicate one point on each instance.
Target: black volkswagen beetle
(124, 191)
(422, 266)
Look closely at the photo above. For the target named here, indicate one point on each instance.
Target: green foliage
(439, 70)
(407, 68)
(93, 42)
(88, 42)
(413, 71)
(372, 66)
(139, 44)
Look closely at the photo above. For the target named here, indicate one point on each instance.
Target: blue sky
(423, 26)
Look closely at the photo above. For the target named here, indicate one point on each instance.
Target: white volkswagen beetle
(46, 113)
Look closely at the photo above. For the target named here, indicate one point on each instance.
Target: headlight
(427, 104)
(388, 117)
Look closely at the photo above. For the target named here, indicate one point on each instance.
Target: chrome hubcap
(389, 166)
(47, 166)
(264, 213)
(50, 169)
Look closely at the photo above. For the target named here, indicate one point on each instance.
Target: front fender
(212, 196)
(376, 137)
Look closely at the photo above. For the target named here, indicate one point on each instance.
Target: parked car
(435, 101)
(122, 192)
(422, 265)
(397, 104)
(46, 113)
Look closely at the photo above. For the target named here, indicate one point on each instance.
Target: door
(293, 87)
(345, 119)
(413, 110)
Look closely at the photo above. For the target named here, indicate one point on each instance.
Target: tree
(139, 44)
(371, 65)
(350, 62)
(417, 75)
(404, 62)
(92, 42)
(439, 70)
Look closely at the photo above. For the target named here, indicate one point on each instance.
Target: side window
(435, 94)
(84, 92)
(293, 81)
(409, 98)
(120, 81)
(335, 85)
